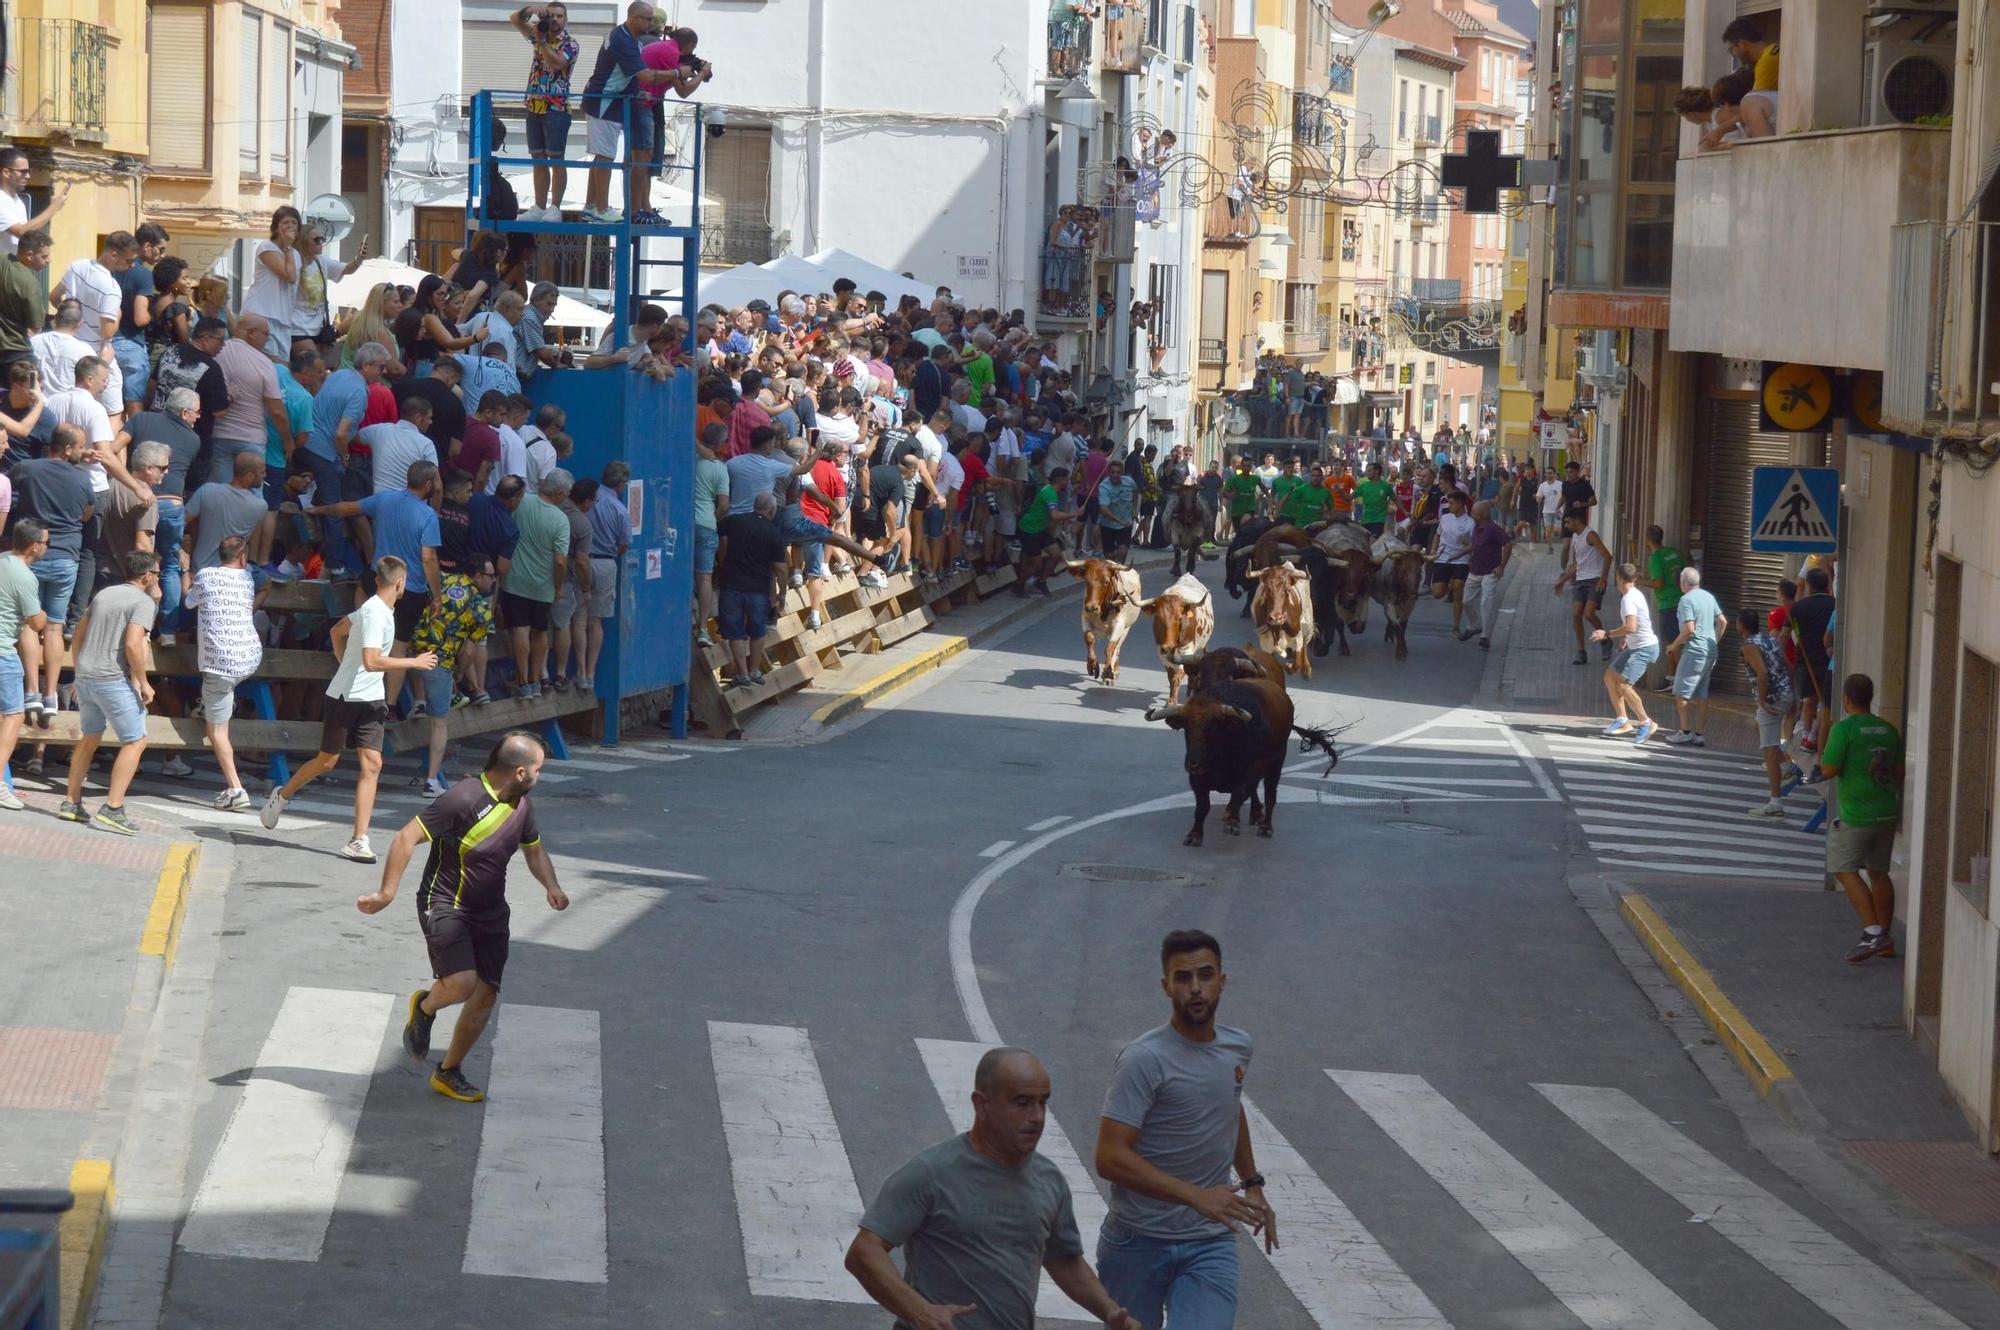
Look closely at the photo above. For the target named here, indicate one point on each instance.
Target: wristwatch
(1254, 1180)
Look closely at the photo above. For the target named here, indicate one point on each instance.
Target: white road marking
(594, 917)
(1528, 759)
(538, 1189)
(1716, 861)
(1589, 1273)
(1655, 750)
(1639, 790)
(1430, 761)
(1827, 1272)
(1702, 870)
(1332, 1264)
(1773, 835)
(586, 764)
(270, 1189)
(1434, 740)
(1639, 787)
(951, 1064)
(996, 849)
(1048, 822)
(795, 1193)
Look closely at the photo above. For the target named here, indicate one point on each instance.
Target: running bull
(1183, 620)
(1236, 729)
(1282, 610)
(1110, 608)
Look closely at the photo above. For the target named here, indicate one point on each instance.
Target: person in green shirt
(1038, 527)
(1663, 579)
(20, 607)
(1307, 501)
(1241, 492)
(1863, 757)
(1282, 487)
(1372, 497)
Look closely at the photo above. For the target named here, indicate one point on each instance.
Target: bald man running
(982, 1215)
(473, 829)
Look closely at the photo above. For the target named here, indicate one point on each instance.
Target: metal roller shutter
(179, 71)
(1729, 568)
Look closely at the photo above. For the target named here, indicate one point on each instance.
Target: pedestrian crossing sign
(1794, 509)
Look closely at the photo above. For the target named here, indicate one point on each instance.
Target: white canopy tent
(355, 284)
(871, 276)
(763, 281)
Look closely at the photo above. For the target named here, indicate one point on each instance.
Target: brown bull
(1227, 663)
(1183, 621)
(1110, 608)
(1187, 526)
(1397, 586)
(1282, 611)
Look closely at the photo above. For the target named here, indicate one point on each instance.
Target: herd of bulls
(1341, 565)
(1237, 721)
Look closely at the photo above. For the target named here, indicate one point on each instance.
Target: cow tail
(1320, 737)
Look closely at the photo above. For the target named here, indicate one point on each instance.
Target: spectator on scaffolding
(623, 348)
(548, 102)
(255, 399)
(375, 322)
(500, 322)
(535, 577)
(533, 352)
(455, 522)
(15, 222)
(494, 533)
(611, 106)
(191, 364)
(487, 370)
(477, 276)
(446, 423)
(276, 265)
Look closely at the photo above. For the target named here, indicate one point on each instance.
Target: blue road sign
(1795, 509)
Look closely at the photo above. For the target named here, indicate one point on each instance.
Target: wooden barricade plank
(169, 732)
(505, 713)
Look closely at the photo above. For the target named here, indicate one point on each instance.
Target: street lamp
(1077, 103)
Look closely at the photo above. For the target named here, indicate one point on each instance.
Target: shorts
(743, 616)
(56, 579)
(346, 725)
(871, 525)
(13, 686)
(1294, 405)
(457, 942)
(1630, 662)
(798, 529)
(602, 136)
(1034, 542)
(1691, 675)
(134, 365)
(218, 698)
(1770, 728)
(1859, 849)
(548, 133)
(1820, 676)
(1444, 574)
(1584, 591)
(110, 704)
(603, 588)
(410, 607)
(707, 540)
(567, 601)
(935, 520)
(521, 612)
(437, 688)
(1115, 539)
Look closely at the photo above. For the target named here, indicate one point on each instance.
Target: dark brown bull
(1397, 586)
(1343, 570)
(1187, 526)
(1228, 663)
(1236, 729)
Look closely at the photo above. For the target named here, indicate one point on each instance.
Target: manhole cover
(1126, 873)
(1422, 828)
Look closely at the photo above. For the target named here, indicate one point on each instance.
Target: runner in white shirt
(1588, 560)
(1638, 647)
(1451, 559)
(1550, 492)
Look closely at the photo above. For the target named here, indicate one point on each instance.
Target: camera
(545, 26)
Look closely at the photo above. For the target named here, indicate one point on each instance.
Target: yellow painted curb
(889, 681)
(82, 1235)
(1760, 1062)
(162, 933)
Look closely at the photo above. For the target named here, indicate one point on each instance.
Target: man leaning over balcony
(1744, 39)
(14, 219)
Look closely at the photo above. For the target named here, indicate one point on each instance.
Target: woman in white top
(274, 284)
(1638, 647)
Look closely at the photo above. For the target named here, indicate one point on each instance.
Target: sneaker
(1615, 728)
(1774, 811)
(1645, 732)
(1466, 635)
(169, 640)
(10, 801)
(1042, 588)
(1868, 948)
(1795, 773)
(459, 700)
(114, 819)
(812, 620)
(418, 710)
(798, 578)
(451, 1083)
(417, 1029)
(604, 214)
(1885, 945)
(176, 768)
(647, 217)
(1698, 739)
(33, 706)
(233, 801)
(1808, 746)
(358, 850)
(1681, 738)
(702, 639)
(33, 766)
(72, 812)
(528, 691)
(274, 805)
(433, 788)
(754, 677)
(874, 580)
(1485, 644)
(1604, 649)
(1581, 658)
(481, 698)
(46, 717)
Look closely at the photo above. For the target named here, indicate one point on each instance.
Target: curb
(162, 933)
(82, 1233)
(1767, 1072)
(883, 684)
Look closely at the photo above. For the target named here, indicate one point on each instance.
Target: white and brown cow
(1183, 621)
(1110, 608)
(1282, 611)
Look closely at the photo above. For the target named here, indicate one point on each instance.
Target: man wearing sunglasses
(14, 219)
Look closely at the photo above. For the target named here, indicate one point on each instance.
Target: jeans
(1193, 1281)
(134, 364)
(1486, 609)
(328, 477)
(167, 537)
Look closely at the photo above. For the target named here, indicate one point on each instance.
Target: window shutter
(249, 101)
(278, 98)
(179, 64)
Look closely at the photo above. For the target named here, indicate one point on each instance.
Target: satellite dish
(333, 214)
(1236, 422)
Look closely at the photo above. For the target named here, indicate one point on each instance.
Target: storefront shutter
(1729, 568)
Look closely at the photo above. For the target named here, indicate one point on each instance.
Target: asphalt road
(780, 959)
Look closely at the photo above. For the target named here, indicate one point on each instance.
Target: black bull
(1236, 732)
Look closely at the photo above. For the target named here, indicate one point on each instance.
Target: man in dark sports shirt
(474, 828)
(1577, 492)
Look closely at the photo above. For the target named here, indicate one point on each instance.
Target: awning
(1346, 392)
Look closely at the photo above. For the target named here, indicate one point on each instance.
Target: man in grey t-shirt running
(109, 655)
(1172, 1129)
(980, 1216)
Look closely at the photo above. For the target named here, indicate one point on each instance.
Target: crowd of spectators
(1742, 104)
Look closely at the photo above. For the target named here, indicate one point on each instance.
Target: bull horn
(1167, 712)
(1238, 712)
(1074, 564)
(1146, 605)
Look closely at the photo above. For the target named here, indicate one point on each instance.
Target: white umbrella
(575, 314)
(353, 287)
(872, 276)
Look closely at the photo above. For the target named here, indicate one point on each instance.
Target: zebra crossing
(1463, 755)
(1671, 810)
(281, 1173)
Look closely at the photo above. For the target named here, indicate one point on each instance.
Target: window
(1396, 269)
(1163, 294)
(737, 172)
(177, 40)
(1243, 18)
(250, 99)
(1403, 110)
(278, 98)
(1485, 69)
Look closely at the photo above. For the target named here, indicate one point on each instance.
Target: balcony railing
(736, 242)
(1214, 351)
(60, 78)
(1304, 336)
(1429, 131)
(1342, 77)
(1943, 335)
(1312, 120)
(1065, 282)
(1069, 45)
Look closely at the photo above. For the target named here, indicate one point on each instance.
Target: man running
(1589, 560)
(473, 829)
(980, 1216)
(1173, 1126)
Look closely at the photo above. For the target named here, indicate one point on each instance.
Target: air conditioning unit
(1906, 81)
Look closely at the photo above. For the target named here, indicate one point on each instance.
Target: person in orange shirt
(1340, 484)
(710, 411)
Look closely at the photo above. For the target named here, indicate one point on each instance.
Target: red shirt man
(831, 484)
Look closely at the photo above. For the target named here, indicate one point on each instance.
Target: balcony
(1069, 45)
(1065, 282)
(736, 242)
(1214, 351)
(1782, 245)
(59, 80)
(1308, 337)
(1943, 329)
(1170, 29)
(1430, 130)
(1313, 121)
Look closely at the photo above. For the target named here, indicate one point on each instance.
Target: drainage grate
(1127, 873)
(1422, 828)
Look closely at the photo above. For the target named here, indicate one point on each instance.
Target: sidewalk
(1828, 1048)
